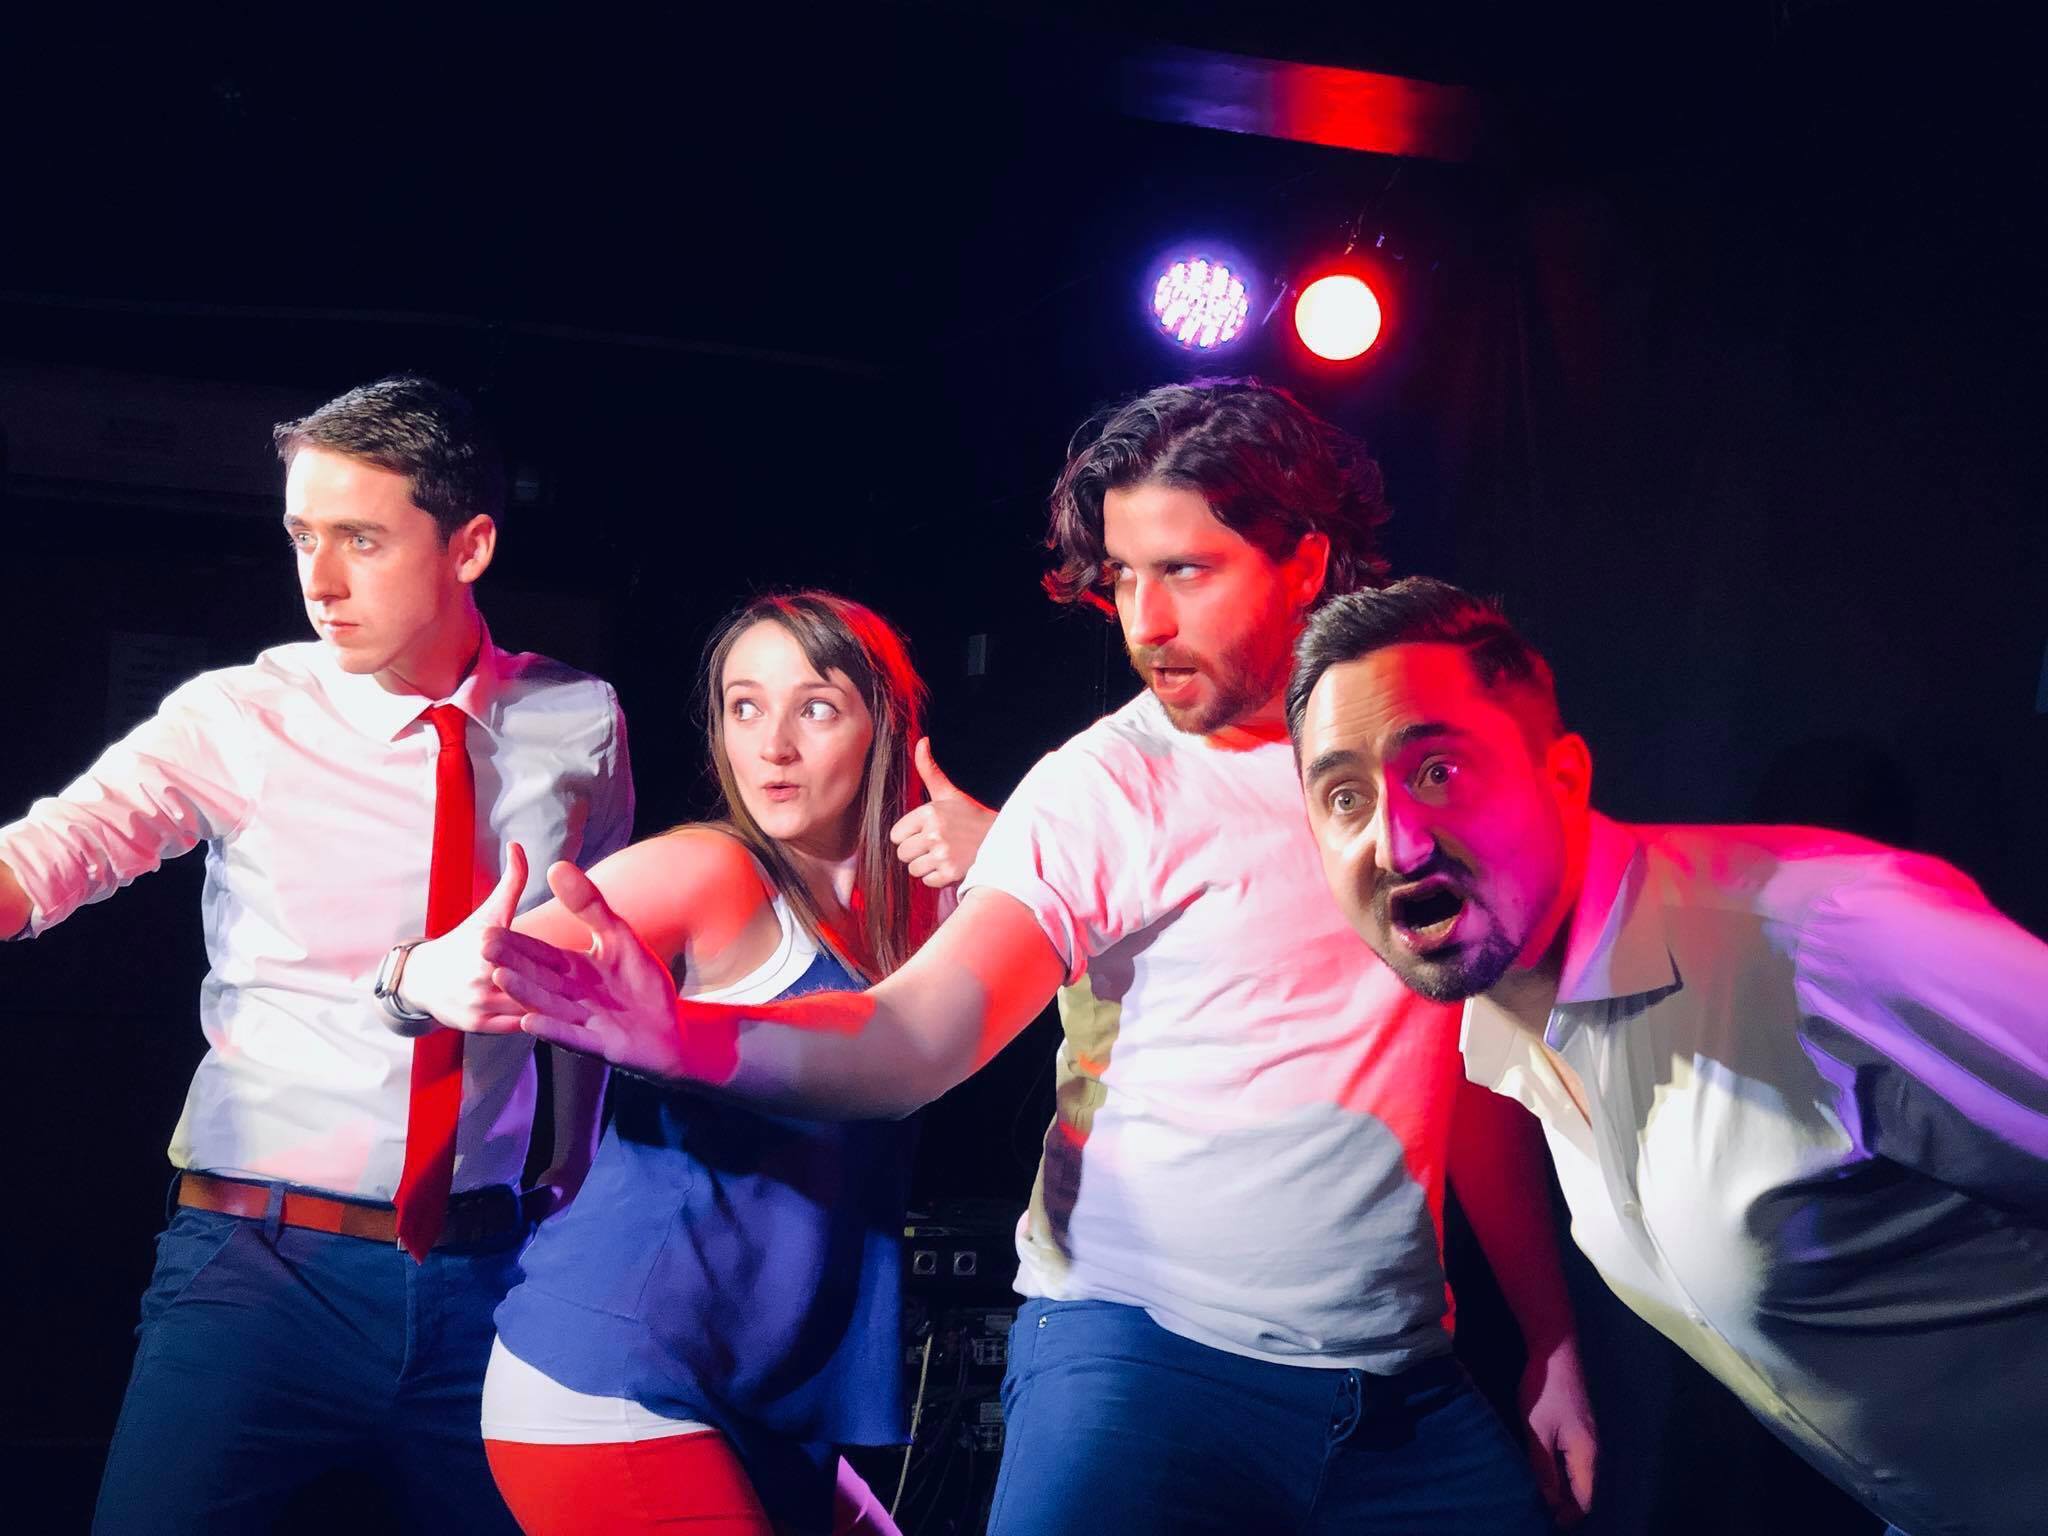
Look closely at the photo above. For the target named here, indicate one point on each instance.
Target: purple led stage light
(1200, 303)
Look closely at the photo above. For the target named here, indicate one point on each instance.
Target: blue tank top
(727, 1265)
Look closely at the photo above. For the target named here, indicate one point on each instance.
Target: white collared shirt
(1815, 1147)
(313, 791)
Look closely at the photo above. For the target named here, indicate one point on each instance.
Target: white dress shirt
(1815, 1147)
(313, 791)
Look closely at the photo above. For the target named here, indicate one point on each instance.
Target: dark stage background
(1718, 362)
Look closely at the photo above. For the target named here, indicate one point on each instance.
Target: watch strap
(389, 977)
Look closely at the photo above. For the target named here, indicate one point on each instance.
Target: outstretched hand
(1562, 1443)
(940, 838)
(614, 998)
(449, 977)
(15, 907)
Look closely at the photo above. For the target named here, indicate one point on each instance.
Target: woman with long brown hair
(717, 1311)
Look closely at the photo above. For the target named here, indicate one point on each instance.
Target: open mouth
(1172, 684)
(1425, 915)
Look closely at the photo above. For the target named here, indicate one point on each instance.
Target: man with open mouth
(1795, 1084)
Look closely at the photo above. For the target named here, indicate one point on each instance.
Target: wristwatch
(385, 989)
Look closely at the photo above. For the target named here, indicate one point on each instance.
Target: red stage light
(1337, 317)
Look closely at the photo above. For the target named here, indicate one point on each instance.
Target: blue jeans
(1115, 1425)
(269, 1355)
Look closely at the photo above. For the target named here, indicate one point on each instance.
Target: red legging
(690, 1484)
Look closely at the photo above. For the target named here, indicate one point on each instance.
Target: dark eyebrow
(816, 682)
(1343, 757)
(349, 528)
(1192, 554)
(1421, 730)
(1329, 762)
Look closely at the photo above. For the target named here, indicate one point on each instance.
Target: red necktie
(422, 1200)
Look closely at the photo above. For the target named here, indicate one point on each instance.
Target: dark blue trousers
(269, 1355)
(1114, 1424)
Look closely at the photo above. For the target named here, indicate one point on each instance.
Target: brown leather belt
(476, 1216)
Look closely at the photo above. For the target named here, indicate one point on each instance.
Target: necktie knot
(448, 722)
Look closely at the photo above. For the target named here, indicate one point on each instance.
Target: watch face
(392, 972)
(382, 988)
(402, 1020)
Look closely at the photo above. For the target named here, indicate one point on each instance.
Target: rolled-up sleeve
(1063, 845)
(179, 779)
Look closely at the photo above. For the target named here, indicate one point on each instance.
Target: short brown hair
(416, 428)
(1420, 610)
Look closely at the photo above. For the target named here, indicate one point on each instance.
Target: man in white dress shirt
(1795, 1083)
(286, 1331)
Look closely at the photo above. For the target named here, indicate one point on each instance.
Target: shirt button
(1630, 1211)
(1696, 1317)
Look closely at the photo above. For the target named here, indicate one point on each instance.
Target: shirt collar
(1616, 945)
(381, 715)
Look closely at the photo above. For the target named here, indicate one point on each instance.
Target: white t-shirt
(1252, 1111)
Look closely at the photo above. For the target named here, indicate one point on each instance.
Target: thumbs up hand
(940, 838)
(449, 977)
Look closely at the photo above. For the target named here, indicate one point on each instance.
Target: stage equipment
(1338, 316)
(959, 1258)
(1201, 300)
